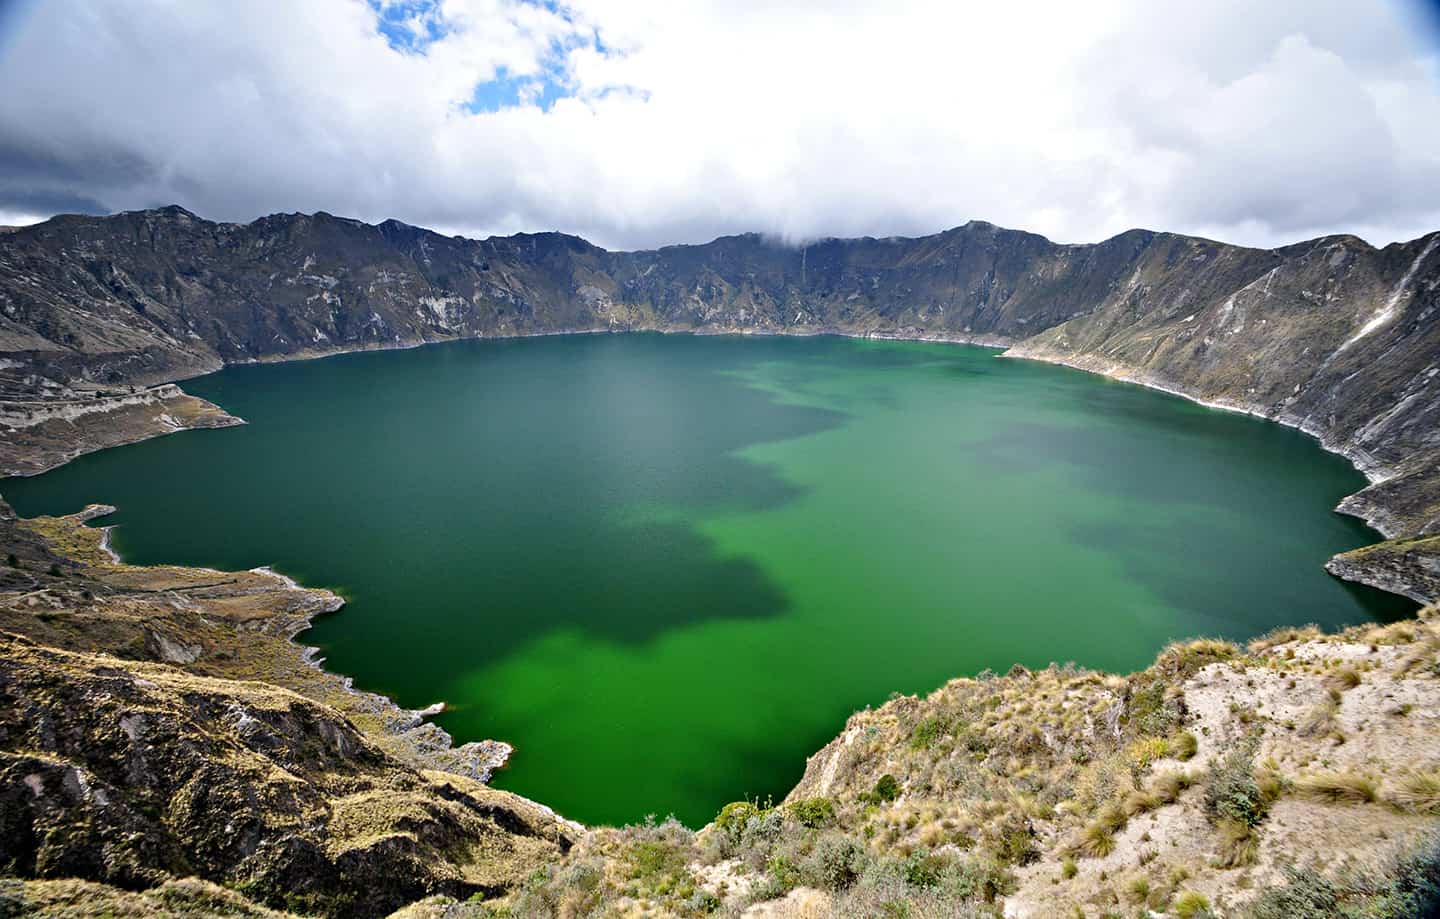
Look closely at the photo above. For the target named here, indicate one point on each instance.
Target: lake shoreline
(1376, 514)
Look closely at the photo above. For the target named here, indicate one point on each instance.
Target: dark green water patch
(667, 567)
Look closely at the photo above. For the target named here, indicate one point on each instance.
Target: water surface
(667, 567)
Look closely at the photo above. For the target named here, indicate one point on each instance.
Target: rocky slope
(158, 723)
(1331, 335)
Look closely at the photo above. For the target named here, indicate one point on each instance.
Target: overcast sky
(644, 122)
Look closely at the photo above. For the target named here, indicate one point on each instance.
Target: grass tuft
(1336, 787)
(1094, 841)
(1416, 792)
(1191, 904)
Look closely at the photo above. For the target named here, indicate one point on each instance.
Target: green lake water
(666, 568)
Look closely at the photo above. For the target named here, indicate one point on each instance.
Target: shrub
(1068, 869)
(1408, 887)
(1337, 787)
(835, 863)
(733, 817)
(784, 872)
(1231, 792)
(1417, 792)
(12, 561)
(1305, 893)
(977, 879)
(814, 812)
(923, 870)
(1015, 841)
(1148, 712)
(886, 789)
(927, 732)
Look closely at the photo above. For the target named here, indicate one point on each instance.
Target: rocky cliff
(1332, 335)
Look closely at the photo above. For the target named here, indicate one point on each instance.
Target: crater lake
(667, 567)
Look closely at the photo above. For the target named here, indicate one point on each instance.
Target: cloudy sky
(644, 122)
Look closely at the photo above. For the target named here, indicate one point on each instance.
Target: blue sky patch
(410, 26)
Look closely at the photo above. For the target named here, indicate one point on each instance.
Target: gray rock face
(1332, 335)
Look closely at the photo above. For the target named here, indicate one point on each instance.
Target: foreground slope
(1331, 335)
(138, 746)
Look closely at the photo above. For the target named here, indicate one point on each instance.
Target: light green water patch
(667, 568)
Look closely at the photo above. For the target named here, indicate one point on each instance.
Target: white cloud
(685, 119)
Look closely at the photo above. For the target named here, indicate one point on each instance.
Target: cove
(666, 568)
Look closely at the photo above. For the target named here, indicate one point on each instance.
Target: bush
(1015, 841)
(923, 869)
(1149, 712)
(886, 789)
(733, 817)
(835, 863)
(814, 812)
(1305, 893)
(1231, 792)
(1408, 888)
(977, 879)
(927, 732)
(784, 873)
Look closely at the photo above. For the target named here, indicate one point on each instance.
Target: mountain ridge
(1331, 335)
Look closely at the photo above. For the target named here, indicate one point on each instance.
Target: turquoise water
(666, 568)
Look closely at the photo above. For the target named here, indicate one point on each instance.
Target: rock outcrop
(1332, 335)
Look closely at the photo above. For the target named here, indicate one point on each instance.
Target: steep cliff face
(1332, 335)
